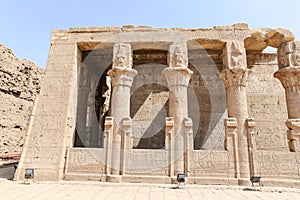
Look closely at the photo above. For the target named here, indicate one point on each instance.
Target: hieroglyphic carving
(277, 164)
(122, 56)
(178, 55)
(82, 160)
(214, 164)
(234, 55)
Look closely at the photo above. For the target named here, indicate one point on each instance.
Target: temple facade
(143, 104)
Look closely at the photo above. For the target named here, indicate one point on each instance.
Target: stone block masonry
(143, 104)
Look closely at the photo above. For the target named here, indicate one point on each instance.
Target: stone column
(235, 77)
(289, 75)
(178, 76)
(122, 76)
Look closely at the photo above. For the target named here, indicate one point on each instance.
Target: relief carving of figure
(237, 55)
(296, 54)
(178, 56)
(234, 54)
(122, 55)
(286, 54)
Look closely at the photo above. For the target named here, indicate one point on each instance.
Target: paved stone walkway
(94, 190)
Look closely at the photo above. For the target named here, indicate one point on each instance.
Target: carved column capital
(121, 76)
(290, 78)
(122, 73)
(177, 56)
(179, 76)
(235, 77)
(234, 55)
(288, 55)
(122, 56)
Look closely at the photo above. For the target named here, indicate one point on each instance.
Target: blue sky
(25, 26)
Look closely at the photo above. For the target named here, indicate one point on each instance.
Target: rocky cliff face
(19, 84)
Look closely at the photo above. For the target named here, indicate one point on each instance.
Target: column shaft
(235, 84)
(178, 80)
(120, 109)
(178, 110)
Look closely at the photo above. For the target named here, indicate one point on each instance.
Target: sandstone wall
(19, 85)
(267, 105)
(266, 102)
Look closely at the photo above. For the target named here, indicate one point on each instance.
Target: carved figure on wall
(286, 54)
(234, 54)
(178, 55)
(296, 54)
(122, 55)
(237, 54)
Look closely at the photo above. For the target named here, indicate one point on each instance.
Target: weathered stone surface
(161, 100)
(19, 84)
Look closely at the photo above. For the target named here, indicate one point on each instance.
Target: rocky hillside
(19, 84)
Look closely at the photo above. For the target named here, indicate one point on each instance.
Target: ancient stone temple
(143, 104)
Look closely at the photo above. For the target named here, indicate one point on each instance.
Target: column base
(244, 182)
(114, 178)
